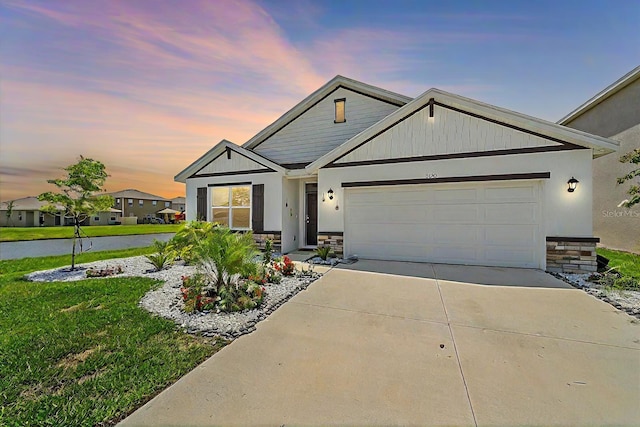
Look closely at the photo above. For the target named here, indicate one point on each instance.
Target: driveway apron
(384, 343)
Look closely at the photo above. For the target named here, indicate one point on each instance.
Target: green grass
(84, 353)
(13, 234)
(626, 263)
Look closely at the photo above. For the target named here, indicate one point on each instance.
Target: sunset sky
(147, 86)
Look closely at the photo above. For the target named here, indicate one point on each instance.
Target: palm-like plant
(187, 237)
(224, 256)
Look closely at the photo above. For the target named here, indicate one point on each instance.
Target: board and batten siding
(236, 163)
(447, 132)
(314, 133)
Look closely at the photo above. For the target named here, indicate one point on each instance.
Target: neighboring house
(613, 113)
(110, 217)
(439, 178)
(138, 204)
(27, 212)
(179, 204)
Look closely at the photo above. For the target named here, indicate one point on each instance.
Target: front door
(311, 218)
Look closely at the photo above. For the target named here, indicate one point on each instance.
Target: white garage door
(480, 223)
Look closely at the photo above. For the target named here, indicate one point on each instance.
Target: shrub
(188, 236)
(627, 283)
(323, 252)
(268, 252)
(285, 266)
(164, 256)
(224, 256)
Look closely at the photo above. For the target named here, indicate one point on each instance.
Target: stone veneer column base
(333, 239)
(572, 254)
(260, 238)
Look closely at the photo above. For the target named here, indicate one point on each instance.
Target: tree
(77, 197)
(9, 213)
(634, 191)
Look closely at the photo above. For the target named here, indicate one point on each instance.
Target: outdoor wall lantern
(330, 194)
(573, 183)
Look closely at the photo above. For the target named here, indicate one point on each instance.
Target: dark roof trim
(294, 165)
(573, 239)
(247, 172)
(478, 116)
(530, 132)
(469, 154)
(228, 152)
(449, 179)
(229, 184)
(397, 104)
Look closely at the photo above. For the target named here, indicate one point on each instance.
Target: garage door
(494, 224)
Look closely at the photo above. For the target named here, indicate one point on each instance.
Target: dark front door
(311, 219)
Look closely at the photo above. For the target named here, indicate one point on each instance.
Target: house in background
(439, 178)
(137, 204)
(179, 204)
(613, 113)
(27, 212)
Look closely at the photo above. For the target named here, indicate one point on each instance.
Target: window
(130, 202)
(141, 202)
(96, 218)
(167, 204)
(340, 110)
(154, 203)
(231, 206)
(117, 201)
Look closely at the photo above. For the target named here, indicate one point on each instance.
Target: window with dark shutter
(202, 204)
(257, 215)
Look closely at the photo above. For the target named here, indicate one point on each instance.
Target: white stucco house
(438, 178)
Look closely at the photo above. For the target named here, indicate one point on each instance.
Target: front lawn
(627, 263)
(13, 234)
(84, 353)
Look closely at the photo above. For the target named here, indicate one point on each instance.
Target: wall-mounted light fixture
(573, 183)
(330, 194)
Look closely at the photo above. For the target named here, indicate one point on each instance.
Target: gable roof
(131, 193)
(610, 90)
(30, 203)
(217, 150)
(558, 134)
(334, 84)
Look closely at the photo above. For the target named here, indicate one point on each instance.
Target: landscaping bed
(167, 300)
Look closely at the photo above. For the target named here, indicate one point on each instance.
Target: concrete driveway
(389, 343)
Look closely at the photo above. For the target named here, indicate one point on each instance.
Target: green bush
(627, 284)
(188, 237)
(164, 255)
(224, 257)
(323, 252)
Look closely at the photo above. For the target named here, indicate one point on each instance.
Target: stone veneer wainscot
(260, 238)
(572, 254)
(333, 239)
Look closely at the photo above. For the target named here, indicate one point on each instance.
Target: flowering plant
(285, 266)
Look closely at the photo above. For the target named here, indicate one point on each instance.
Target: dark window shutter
(202, 204)
(257, 208)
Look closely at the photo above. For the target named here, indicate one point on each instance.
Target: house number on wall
(432, 175)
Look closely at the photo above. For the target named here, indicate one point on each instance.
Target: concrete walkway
(38, 248)
(424, 345)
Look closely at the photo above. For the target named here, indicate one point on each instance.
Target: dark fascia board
(449, 179)
(294, 165)
(573, 239)
(465, 155)
(566, 144)
(340, 86)
(247, 172)
(226, 151)
(229, 184)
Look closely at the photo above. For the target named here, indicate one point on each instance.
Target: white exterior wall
(272, 195)
(290, 214)
(314, 133)
(451, 132)
(563, 213)
(235, 163)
